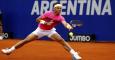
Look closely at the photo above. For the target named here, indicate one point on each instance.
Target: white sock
(72, 51)
(12, 48)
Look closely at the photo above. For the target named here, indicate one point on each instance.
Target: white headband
(58, 5)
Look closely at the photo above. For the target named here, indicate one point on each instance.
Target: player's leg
(68, 48)
(29, 38)
(35, 34)
(58, 38)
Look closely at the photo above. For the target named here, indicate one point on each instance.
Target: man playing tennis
(46, 25)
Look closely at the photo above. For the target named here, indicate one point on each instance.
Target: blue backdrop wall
(19, 16)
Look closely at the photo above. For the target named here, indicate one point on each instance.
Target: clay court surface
(51, 50)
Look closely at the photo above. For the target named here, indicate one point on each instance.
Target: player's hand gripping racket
(75, 23)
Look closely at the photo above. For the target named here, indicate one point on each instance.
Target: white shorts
(41, 33)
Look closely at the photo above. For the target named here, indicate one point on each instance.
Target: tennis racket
(76, 23)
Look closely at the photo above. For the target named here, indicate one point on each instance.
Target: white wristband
(72, 51)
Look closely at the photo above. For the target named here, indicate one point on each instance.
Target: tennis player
(46, 25)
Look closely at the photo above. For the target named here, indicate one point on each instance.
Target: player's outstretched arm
(67, 25)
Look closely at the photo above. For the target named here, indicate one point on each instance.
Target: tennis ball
(70, 33)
